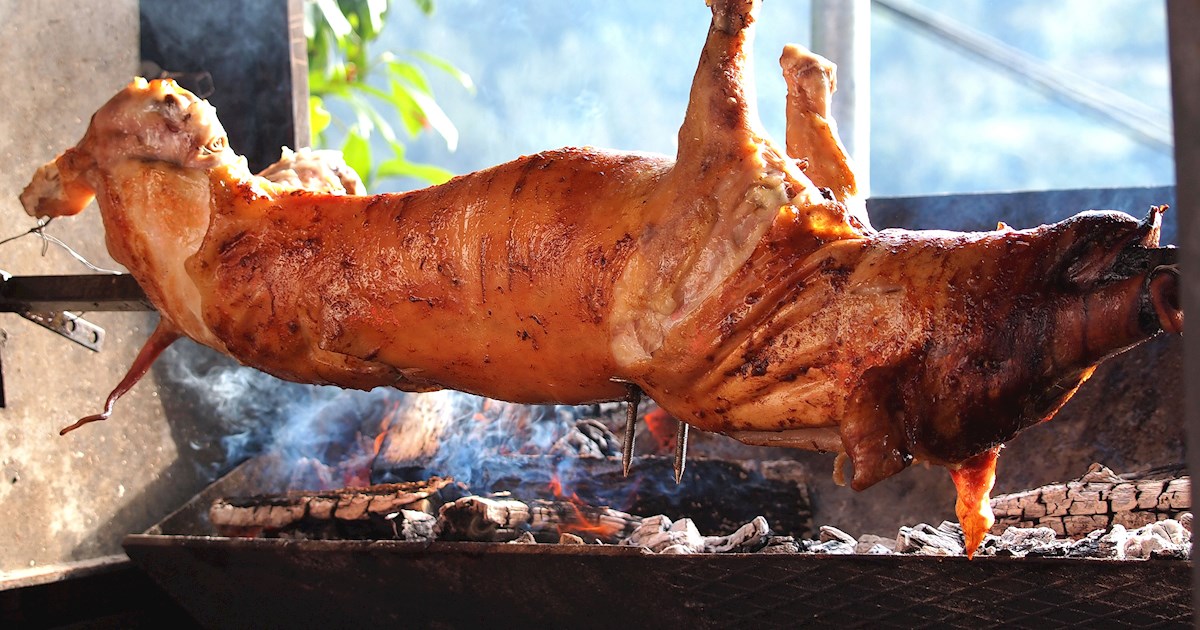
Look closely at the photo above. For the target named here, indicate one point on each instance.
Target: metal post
(1183, 34)
(841, 32)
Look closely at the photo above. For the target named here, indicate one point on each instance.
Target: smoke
(318, 438)
(474, 439)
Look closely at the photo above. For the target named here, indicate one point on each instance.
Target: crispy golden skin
(739, 285)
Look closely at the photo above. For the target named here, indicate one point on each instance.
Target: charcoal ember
(677, 549)
(526, 538)
(1056, 549)
(1089, 546)
(781, 544)
(567, 538)
(924, 539)
(658, 532)
(482, 519)
(1018, 541)
(589, 439)
(776, 492)
(1166, 538)
(1185, 521)
(833, 547)
(597, 523)
(649, 527)
(829, 533)
(412, 526)
(1173, 553)
(748, 538)
(1112, 543)
(1172, 530)
(875, 545)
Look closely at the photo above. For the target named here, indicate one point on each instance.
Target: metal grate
(906, 592)
(270, 583)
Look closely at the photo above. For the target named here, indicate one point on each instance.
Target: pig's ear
(1101, 255)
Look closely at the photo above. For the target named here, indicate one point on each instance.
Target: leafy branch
(341, 69)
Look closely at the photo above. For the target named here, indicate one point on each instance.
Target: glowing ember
(663, 427)
(356, 467)
(579, 522)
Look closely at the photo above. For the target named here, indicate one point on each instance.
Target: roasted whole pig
(739, 285)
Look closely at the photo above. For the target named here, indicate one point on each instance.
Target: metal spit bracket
(69, 325)
(45, 300)
(48, 300)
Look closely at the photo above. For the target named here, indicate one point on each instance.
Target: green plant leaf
(319, 117)
(409, 73)
(363, 107)
(338, 33)
(396, 167)
(406, 108)
(437, 119)
(426, 6)
(370, 14)
(463, 78)
(357, 151)
(335, 18)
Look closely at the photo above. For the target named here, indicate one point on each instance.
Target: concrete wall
(73, 497)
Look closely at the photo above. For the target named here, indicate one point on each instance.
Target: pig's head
(1099, 249)
(148, 120)
(1039, 318)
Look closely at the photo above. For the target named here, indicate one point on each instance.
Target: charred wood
(1097, 500)
(775, 490)
(503, 519)
(384, 511)
(482, 519)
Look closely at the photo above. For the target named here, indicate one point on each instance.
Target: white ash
(526, 538)
(659, 533)
(505, 519)
(926, 540)
(567, 538)
(413, 525)
(870, 544)
(832, 534)
(781, 544)
(748, 538)
(1163, 539)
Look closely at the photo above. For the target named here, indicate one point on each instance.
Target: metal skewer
(631, 412)
(681, 438)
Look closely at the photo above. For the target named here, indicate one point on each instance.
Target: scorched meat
(739, 285)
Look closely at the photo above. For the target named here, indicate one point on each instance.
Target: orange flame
(663, 427)
(356, 469)
(384, 424)
(578, 522)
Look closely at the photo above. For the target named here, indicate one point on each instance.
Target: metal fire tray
(280, 583)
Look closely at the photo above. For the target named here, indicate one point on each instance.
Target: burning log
(503, 519)
(398, 510)
(1097, 500)
(482, 519)
(602, 524)
(770, 489)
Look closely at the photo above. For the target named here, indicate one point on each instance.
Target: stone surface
(75, 497)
